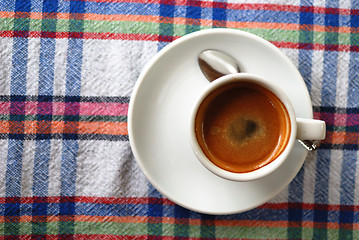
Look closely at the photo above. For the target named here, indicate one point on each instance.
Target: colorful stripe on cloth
(342, 127)
(54, 180)
(143, 21)
(105, 118)
(106, 218)
(63, 117)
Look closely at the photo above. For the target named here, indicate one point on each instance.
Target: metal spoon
(215, 63)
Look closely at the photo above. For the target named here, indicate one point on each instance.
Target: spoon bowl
(215, 64)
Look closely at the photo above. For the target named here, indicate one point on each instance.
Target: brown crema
(242, 127)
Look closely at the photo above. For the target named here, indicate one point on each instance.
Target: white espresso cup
(243, 127)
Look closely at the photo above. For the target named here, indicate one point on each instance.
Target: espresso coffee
(242, 127)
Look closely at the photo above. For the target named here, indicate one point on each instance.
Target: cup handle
(310, 129)
(310, 132)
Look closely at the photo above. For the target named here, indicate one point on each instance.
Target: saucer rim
(142, 78)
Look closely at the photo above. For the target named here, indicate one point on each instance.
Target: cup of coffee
(243, 127)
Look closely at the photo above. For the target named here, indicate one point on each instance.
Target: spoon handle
(310, 145)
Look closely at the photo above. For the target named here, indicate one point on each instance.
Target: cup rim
(270, 167)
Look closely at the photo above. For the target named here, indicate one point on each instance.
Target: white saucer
(158, 121)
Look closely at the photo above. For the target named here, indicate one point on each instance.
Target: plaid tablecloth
(67, 70)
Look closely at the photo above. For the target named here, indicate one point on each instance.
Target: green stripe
(62, 25)
(111, 228)
(181, 230)
(133, 229)
(21, 24)
(11, 228)
(251, 232)
(49, 25)
(208, 227)
(7, 24)
(103, 118)
(152, 28)
(331, 38)
(277, 35)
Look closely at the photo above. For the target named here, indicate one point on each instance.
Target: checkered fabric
(67, 70)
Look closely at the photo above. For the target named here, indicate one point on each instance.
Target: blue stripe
(181, 230)
(208, 227)
(261, 16)
(68, 167)
(347, 190)
(305, 55)
(41, 167)
(22, 5)
(347, 184)
(354, 20)
(154, 209)
(193, 16)
(63, 6)
(16, 147)
(322, 177)
(20, 52)
(353, 85)
(321, 191)
(19, 66)
(330, 61)
(46, 79)
(70, 147)
(237, 15)
(329, 78)
(13, 184)
(36, 6)
(13, 168)
(91, 209)
(295, 188)
(46, 68)
(350, 159)
(328, 97)
(152, 192)
(74, 65)
(219, 13)
(6, 5)
(73, 88)
(295, 210)
(259, 214)
(165, 29)
(173, 211)
(193, 12)
(122, 8)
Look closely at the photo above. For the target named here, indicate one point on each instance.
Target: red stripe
(164, 201)
(110, 237)
(85, 199)
(311, 206)
(155, 37)
(99, 236)
(241, 6)
(316, 46)
(88, 35)
(107, 237)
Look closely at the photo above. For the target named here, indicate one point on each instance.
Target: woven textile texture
(67, 71)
